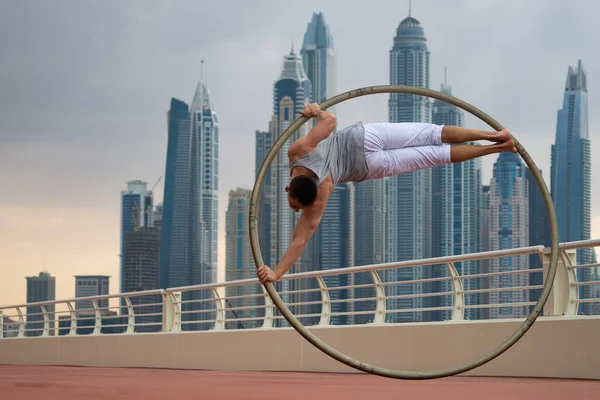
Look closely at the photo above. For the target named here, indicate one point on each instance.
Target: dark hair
(304, 189)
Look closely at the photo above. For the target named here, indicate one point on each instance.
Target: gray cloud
(85, 86)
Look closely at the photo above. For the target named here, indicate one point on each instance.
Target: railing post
(97, 319)
(1, 325)
(220, 312)
(569, 259)
(130, 315)
(21, 323)
(268, 319)
(325, 302)
(564, 295)
(46, 331)
(458, 303)
(73, 315)
(380, 308)
(171, 311)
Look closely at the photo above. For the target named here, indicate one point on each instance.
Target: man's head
(302, 191)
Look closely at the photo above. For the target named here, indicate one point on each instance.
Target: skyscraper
(370, 235)
(40, 288)
(136, 212)
(332, 246)
(319, 59)
(484, 245)
(570, 180)
(328, 248)
(456, 206)
(180, 263)
(91, 285)
(141, 273)
(539, 233)
(409, 195)
(290, 94)
(239, 263)
(189, 225)
(509, 220)
(188, 248)
(208, 133)
(263, 145)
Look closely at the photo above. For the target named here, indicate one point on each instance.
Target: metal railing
(487, 285)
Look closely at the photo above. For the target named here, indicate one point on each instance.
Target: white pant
(395, 148)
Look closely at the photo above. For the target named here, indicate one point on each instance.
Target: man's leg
(465, 152)
(400, 161)
(398, 135)
(457, 134)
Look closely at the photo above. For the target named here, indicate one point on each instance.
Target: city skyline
(103, 259)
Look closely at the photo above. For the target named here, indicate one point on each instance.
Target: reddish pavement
(65, 383)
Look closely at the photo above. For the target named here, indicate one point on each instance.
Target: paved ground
(65, 383)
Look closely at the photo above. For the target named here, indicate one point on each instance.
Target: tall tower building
(332, 246)
(328, 248)
(239, 263)
(140, 273)
(136, 212)
(208, 133)
(370, 236)
(40, 288)
(570, 180)
(290, 94)
(188, 248)
(180, 263)
(539, 231)
(456, 205)
(484, 245)
(91, 285)
(319, 59)
(509, 220)
(189, 223)
(263, 145)
(409, 195)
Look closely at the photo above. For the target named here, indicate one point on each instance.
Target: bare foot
(508, 145)
(501, 136)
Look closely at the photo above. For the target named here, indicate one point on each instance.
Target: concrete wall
(554, 347)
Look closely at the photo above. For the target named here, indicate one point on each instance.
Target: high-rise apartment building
(509, 228)
(319, 59)
(244, 312)
(189, 222)
(137, 210)
(570, 179)
(88, 286)
(141, 273)
(39, 289)
(456, 190)
(263, 145)
(291, 92)
(188, 245)
(409, 209)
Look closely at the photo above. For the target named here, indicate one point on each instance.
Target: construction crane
(158, 180)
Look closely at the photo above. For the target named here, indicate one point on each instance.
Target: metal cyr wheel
(390, 373)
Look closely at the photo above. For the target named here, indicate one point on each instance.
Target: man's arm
(307, 224)
(326, 123)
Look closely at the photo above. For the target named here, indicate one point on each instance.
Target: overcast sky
(85, 87)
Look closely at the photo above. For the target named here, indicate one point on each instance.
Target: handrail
(382, 306)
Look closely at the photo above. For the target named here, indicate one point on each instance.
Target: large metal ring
(390, 373)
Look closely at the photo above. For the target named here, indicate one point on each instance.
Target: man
(359, 152)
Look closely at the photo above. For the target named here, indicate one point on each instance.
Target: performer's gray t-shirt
(342, 154)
